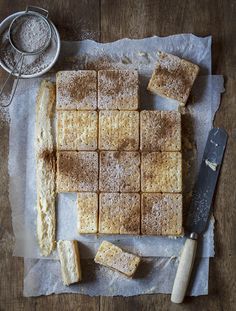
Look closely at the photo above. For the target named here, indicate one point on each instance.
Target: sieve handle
(21, 59)
(37, 10)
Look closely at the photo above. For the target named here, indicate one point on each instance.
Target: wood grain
(107, 20)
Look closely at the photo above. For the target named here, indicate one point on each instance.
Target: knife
(200, 208)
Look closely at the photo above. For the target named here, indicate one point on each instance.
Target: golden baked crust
(161, 172)
(87, 212)
(118, 130)
(77, 171)
(161, 214)
(129, 213)
(160, 130)
(115, 258)
(77, 130)
(76, 90)
(119, 171)
(109, 213)
(173, 77)
(118, 89)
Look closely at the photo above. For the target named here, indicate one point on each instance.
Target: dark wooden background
(105, 21)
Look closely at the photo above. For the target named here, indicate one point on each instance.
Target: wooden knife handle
(184, 271)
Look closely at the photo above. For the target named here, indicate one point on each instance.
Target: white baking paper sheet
(197, 121)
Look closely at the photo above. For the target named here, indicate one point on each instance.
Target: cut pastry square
(77, 130)
(173, 77)
(128, 130)
(160, 130)
(161, 172)
(118, 89)
(76, 90)
(151, 172)
(70, 261)
(109, 130)
(118, 130)
(109, 213)
(150, 130)
(77, 171)
(170, 131)
(109, 171)
(87, 212)
(161, 214)
(171, 172)
(129, 213)
(129, 178)
(113, 257)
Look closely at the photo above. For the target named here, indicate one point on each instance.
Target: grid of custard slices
(125, 164)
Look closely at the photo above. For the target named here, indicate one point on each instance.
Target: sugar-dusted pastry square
(129, 177)
(76, 90)
(118, 130)
(150, 130)
(151, 172)
(109, 171)
(87, 221)
(128, 130)
(171, 172)
(161, 214)
(118, 89)
(160, 130)
(129, 213)
(108, 130)
(109, 213)
(77, 130)
(170, 131)
(173, 77)
(115, 258)
(77, 171)
(161, 172)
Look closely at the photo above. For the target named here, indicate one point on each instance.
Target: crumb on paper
(212, 165)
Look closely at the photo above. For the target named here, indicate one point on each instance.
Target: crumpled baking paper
(197, 121)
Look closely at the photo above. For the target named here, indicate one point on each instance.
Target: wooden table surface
(105, 21)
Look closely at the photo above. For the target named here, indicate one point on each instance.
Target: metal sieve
(15, 30)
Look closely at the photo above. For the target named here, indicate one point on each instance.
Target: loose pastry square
(160, 130)
(118, 89)
(109, 213)
(70, 261)
(87, 212)
(118, 130)
(76, 90)
(77, 171)
(77, 130)
(129, 213)
(161, 214)
(173, 77)
(161, 172)
(115, 258)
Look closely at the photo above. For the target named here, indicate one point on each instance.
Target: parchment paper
(197, 120)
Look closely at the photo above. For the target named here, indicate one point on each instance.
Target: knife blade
(200, 208)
